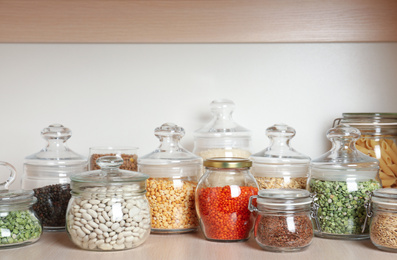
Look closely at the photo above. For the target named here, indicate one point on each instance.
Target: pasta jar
(108, 209)
(222, 198)
(342, 178)
(279, 165)
(378, 140)
(173, 175)
(383, 212)
(222, 136)
(19, 225)
(283, 222)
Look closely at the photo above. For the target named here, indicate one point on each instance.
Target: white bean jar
(108, 209)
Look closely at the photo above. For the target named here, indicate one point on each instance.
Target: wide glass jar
(383, 212)
(222, 198)
(378, 140)
(222, 136)
(173, 175)
(279, 165)
(342, 178)
(283, 222)
(108, 209)
(19, 225)
(47, 173)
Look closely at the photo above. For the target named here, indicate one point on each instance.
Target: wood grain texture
(197, 21)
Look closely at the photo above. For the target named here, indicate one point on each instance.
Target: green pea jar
(342, 180)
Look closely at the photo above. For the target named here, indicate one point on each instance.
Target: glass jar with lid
(283, 222)
(173, 175)
(108, 209)
(222, 197)
(342, 178)
(378, 140)
(382, 209)
(19, 225)
(222, 136)
(47, 173)
(279, 165)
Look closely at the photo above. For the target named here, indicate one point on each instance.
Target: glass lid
(277, 197)
(385, 196)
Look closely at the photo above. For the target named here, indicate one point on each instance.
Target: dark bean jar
(47, 174)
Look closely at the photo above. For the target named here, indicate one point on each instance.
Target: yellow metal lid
(227, 162)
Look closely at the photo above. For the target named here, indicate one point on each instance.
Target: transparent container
(173, 175)
(19, 225)
(378, 140)
(47, 173)
(222, 137)
(283, 222)
(279, 165)
(382, 209)
(342, 178)
(127, 153)
(108, 210)
(222, 197)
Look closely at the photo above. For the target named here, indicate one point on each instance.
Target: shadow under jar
(283, 222)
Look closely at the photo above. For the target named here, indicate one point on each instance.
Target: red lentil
(224, 217)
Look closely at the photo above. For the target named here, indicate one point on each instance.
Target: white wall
(116, 94)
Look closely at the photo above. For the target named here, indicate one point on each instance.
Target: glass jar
(173, 175)
(222, 198)
(128, 154)
(342, 178)
(19, 225)
(283, 222)
(383, 212)
(279, 165)
(378, 140)
(47, 173)
(222, 137)
(108, 209)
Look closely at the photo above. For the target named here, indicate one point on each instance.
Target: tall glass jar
(173, 175)
(222, 198)
(378, 140)
(222, 136)
(47, 173)
(19, 225)
(283, 222)
(279, 165)
(108, 209)
(342, 178)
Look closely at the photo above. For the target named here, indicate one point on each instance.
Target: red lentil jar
(222, 198)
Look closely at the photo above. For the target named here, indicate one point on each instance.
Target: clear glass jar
(222, 137)
(108, 209)
(342, 178)
(279, 165)
(383, 212)
(47, 173)
(222, 198)
(378, 140)
(19, 225)
(128, 154)
(173, 175)
(283, 222)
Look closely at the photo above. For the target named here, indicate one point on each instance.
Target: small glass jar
(128, 154)
(222, 137)
(378, 140)
(279, 165)
(19, 225)
(283, 222)
(47, 173)
(342, 179)
(173, 175)
(383, 212)
(108, 209)
(222, 198)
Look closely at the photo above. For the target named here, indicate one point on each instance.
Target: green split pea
(341, 205)
(18, 226)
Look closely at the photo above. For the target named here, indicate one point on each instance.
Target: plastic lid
(228, 163)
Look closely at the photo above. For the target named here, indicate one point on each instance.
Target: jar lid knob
(169, 129)
(343, 131)
(56, 131)
(106, 162)
(280, 130)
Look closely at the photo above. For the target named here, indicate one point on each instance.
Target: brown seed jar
(130, 161)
